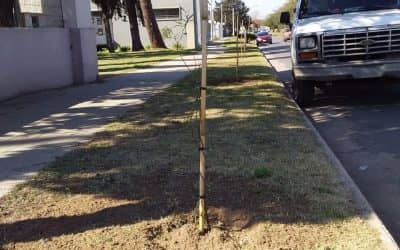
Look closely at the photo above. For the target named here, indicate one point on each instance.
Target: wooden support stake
(203, 224)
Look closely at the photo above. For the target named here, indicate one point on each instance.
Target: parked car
(336, 40)
(263, 37)
(287, 35)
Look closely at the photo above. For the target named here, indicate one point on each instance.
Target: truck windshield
(313, 8)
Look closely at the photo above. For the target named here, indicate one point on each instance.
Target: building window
(99, 21)
(167, 14)
(35, 21)
(96, 18)
(100, 32)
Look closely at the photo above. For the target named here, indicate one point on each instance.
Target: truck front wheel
(303, 92)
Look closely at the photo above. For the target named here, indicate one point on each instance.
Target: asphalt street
(361, 123)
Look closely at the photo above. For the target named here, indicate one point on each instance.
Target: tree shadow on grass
(149, 158)
(235, 201)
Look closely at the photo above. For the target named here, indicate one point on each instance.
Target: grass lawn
(134, 186)
(126, 62)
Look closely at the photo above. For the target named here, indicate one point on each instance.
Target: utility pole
(237, 50)
(222, 12)
(222, 20)
(212, 22)
(233, 21)
(203, 224)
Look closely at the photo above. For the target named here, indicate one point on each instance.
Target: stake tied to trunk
(203, 224)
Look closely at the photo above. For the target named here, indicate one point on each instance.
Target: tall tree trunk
(19, 17)
(134, 26)
(6, 13)
(151, 25)
(109, 37)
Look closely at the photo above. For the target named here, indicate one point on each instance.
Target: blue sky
(261, 8)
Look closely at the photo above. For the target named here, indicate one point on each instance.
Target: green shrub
(103, 52)
(124, 48)
(177, 46)
(166, 32)
(148, 47)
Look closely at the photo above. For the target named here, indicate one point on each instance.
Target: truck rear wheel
(303, 92)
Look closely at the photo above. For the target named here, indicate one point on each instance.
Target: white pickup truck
(343, 39)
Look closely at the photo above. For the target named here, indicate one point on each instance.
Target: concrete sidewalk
(36, 128)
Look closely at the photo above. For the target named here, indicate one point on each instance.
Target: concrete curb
(365, 207)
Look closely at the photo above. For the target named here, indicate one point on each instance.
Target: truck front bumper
(348, 70)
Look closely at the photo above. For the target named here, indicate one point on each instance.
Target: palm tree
(132, 6)
(151, 25)
(109, 8)
(6, 13)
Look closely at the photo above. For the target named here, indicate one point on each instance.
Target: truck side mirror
(285, 18)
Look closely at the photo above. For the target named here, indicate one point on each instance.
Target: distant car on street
(263, 38)
(287, 35)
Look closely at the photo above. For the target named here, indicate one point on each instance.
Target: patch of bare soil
(156, 210)
(161, 202)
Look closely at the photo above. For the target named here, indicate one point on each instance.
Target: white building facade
(179, 22)
(41, 13)
(54, 47)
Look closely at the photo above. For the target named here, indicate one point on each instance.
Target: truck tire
(303, 92)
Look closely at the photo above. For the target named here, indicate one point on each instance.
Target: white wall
(34, 59)
(190, 40)
(122, 34)
(77, 17)
(218, 30)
